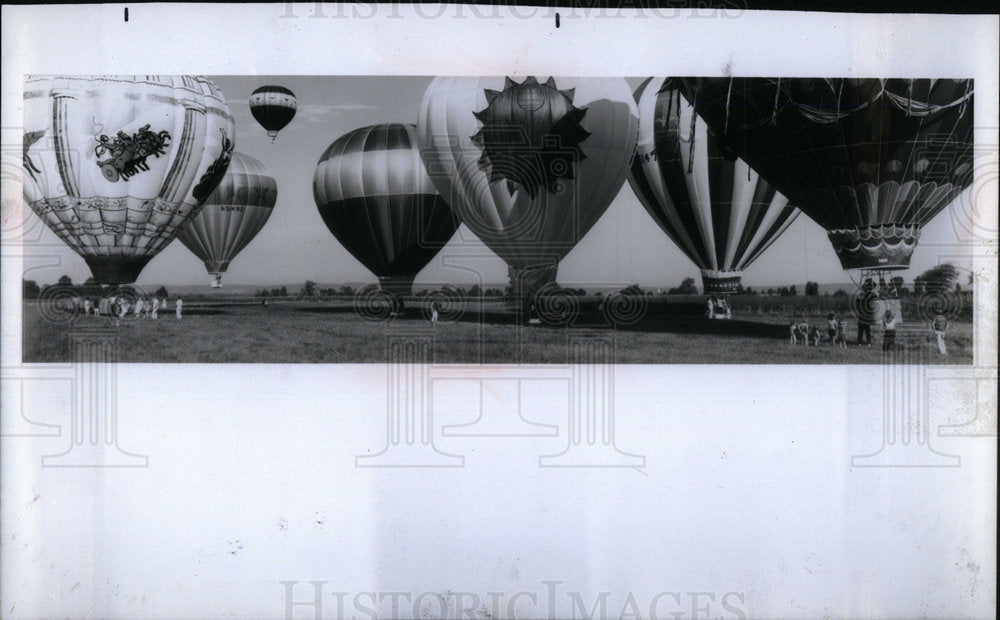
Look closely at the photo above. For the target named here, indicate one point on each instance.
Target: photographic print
(491, 212)
(463, 311)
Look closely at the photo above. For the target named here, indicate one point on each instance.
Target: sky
(624, 247)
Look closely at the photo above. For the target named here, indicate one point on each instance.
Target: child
(842, 332)
(814, 335)
(889, 331)
(940, 325)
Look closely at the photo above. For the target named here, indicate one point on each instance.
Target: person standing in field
(434, 312)
(940, 325)
(831, 328)
(178, 306)
(123, 308)
(711, 306)
(154, 308)
(86, 307)
(842, 332)
(889, 331)
(139, 305)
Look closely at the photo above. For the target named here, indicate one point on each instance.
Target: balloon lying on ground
(528, 166)
(118, 164)
(232, 216)
(373, 194)
(273, 107)
(870, 160)
(717, 210)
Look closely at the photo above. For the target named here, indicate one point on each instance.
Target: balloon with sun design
(531, 135)
(528, 166)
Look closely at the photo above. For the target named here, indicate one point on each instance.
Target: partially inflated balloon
(717, 210)
(232, 216)
(118, 164)
(273, 107)
(871, 160)
(375, 197)
(529, 166)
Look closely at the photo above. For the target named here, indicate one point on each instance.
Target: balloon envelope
(870, 160)
(373, 194)
(232, 216)
(273, 107)
(528, 166)
(118, 164)
(717, 210)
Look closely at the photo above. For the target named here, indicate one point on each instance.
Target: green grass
(670, 332)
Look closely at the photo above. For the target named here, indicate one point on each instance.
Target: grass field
(668, 332)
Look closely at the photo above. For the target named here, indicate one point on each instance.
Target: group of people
(718, 308)
(119, 307)
(801, 332)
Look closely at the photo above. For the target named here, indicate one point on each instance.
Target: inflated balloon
(528, 166)
(118, 164)
(717, 210)
(273, 107)
(871, 160)
(232, 216)
(373, 194)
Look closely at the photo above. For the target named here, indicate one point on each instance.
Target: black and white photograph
(568, 311)
(704, 220)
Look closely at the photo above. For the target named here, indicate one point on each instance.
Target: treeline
(30, 289)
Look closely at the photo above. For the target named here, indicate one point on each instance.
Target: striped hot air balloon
(717, 210)
(232, 216)
(375, 197)
(118, 164)
(273, 107)
(870, 160)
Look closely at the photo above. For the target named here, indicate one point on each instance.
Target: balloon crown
(531, 135)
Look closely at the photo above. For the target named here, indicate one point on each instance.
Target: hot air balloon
(232, 216)
(118, 164)
(717, 210)
(375, 197)
(870, 160)
(273, 107)
(528, 166)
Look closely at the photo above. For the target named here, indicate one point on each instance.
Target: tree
(65, 281)
(940, 278)
(161, 292)
(309, 289)
(347, 291)
(29, 289)
(475, 291)
(687, 287)
(840, 293)
(812, 289)
(792, 291)
(283, 291)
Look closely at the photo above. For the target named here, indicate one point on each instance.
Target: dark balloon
(870, 160)
(375, 197)
(273, 107)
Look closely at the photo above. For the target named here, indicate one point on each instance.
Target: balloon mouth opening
(116, 271)
(721, 282)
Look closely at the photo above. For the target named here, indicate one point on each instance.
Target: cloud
(321, 112)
